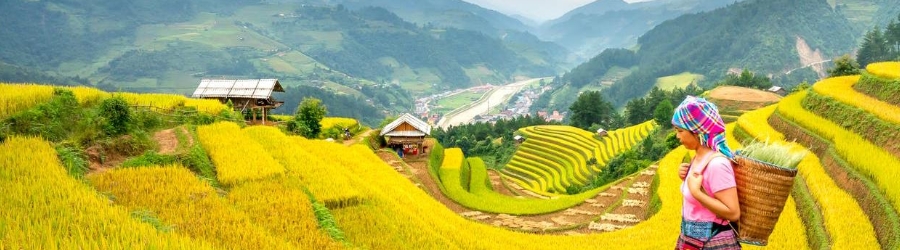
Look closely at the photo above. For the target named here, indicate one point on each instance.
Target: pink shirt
(718, 176)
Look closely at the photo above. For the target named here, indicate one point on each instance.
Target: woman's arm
(724, 204)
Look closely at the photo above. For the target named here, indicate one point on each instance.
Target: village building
(556, 116)
(406, 133)
(246, 94)
(519, 139)
(778, 90)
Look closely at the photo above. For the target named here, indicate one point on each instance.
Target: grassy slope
(680, 80)
(860, 12)
(222, 32)
(448, 104)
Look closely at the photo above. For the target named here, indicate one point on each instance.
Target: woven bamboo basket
(762, 189)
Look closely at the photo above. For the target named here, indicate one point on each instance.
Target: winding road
(499, 96)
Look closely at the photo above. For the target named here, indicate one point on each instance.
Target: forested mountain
(758, 35)
(374, 42)
(466, 16)
(598, 7)
(863, 14)
(448, 13)
(602, 24)
(45, 34)
(365, 53)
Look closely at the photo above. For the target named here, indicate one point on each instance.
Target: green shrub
(73, 158)
(51, 120)
(150, 158)
(198, 161)
(326, 220)
(436, 158)
(332, 132)
(147, 120)
(117, 114)
(149, 217)
(655, 203)
(133, 144)
(465, 175)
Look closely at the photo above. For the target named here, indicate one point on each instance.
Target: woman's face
(687, 138)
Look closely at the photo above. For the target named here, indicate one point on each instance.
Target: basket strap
(703, 168)
(708, 160)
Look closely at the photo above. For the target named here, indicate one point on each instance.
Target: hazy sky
(538, 10)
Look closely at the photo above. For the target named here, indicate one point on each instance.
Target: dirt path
(418, 174)
(633, 207)
(358, 138)
(167, 140)
(623, 205)
(101, 159)
(497, 184)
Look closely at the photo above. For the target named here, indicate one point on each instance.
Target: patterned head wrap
(702, 118)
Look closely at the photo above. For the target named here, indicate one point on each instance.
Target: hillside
(762, 36)
(169, 46)
(306, 193)
(864, 14)
(466, 16)
(734, 101)
(449, 13)
(589, 29)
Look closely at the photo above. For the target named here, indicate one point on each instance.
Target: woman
(710, 196)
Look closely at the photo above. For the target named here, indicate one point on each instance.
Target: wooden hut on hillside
(407, 132)
(246, 94)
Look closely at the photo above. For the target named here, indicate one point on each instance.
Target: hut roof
(421, 127)
(244, 88)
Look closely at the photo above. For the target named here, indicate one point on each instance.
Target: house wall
(405, 127)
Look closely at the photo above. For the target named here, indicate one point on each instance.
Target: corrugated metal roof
(405, 133)
(407, 118)
(244, 88)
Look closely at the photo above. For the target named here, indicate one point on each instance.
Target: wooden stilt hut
(246, 94)
(407, 132)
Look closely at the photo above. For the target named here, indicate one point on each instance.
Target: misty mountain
(445, 13)
(764, 36)
(367, 54)
(602, 24)
(462, 15)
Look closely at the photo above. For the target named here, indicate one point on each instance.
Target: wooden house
(407, 132)
(778, 90)
(246, 94)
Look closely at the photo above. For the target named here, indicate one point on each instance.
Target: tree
(117, 115)
(800, 87)
(663, 113)
(892, 36)
(748, 79)
(308, 117)
(590, 108)
(635, 112)
(844, 66)
(873, 48)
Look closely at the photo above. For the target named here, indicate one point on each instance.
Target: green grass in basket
(777, 154)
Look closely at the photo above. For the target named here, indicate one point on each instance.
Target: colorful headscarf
(702, 118)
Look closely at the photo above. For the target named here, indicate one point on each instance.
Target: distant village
(521, 106)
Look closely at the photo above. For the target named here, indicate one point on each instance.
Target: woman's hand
(682, 170)
(694, 183)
